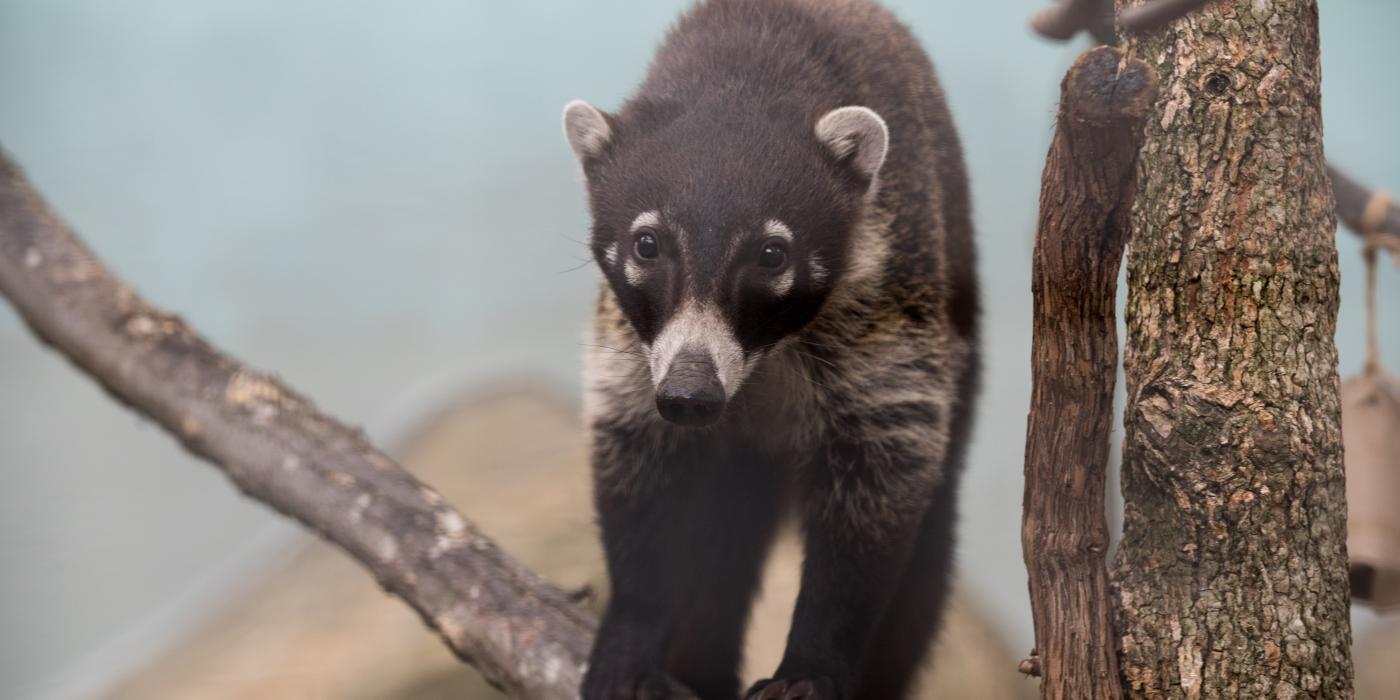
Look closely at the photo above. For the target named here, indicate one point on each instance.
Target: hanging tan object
(1371, 436)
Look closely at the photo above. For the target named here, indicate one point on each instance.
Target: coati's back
(786, 63)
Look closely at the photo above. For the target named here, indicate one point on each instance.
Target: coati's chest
(860, 367)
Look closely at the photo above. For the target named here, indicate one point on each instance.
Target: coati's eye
(646, 246)
(773, 255)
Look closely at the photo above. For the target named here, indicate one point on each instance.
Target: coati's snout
(696, 366)
(691, 393)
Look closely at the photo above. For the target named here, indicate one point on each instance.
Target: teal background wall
(374, 199)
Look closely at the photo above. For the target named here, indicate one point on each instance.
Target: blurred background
(374, 200)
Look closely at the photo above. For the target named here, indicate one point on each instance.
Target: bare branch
(1156, 14)
(1352, 201)
(1066, 18)
(520, 631)
(1086, 195)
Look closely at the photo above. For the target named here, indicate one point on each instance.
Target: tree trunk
(1231, 578)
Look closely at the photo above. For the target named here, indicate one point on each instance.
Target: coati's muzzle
(696, 365)
(691, 393)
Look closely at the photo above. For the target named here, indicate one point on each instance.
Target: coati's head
(721, 230)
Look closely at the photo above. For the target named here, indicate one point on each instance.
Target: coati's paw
(820, 688)
(629, 686)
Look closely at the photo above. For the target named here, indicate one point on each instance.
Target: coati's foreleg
(912, 618)
(916, 612)
(685, 535)
(865, 501)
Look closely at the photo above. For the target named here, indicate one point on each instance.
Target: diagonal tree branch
(519, 630)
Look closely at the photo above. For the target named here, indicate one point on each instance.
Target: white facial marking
(633, 272)
(644, 219)
(610, 254)
(630, 269)
(782, 284)
(777, 229)
(869, 250)
(702, 326)
(818, 269)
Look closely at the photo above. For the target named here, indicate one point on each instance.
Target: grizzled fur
(847, 373)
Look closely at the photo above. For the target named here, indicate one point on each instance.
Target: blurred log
(521, 632)
(312, 626)
(1086, 195)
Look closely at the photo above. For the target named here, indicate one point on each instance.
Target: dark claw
(768, 690)
(635, 685)
(653, 687)
(778, 689)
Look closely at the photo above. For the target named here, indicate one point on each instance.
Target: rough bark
(1231, 576)
(1086, 194)
(521, 632)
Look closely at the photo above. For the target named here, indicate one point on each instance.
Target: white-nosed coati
(789, 318)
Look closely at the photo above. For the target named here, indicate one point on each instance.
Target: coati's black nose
(691, 394)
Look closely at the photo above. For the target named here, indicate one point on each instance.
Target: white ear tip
(577, 108)
(856, 131)
(586, 129)
(853, 115)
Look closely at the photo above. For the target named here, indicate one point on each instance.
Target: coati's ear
(857, 135)
(587, 130)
